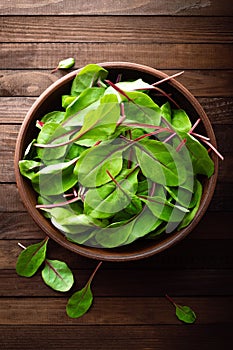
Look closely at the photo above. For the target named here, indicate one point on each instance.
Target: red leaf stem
(168, 78)
(181, 144)
(194, 125)
(55, 205)
(119, 90)
(213, 149)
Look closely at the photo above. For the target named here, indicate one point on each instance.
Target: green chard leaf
(166, 111)
(196, 203)
(29, 168)
(55, 178)
(31, 259)
(160, 162)
(81, 301)
(85, 99)
(66, 100)
(180, 120)
(183, 313)
(52, 133)
(53, 117)
(202, 163)
(107, 200)
(93, 163)
(87, 77)
(66, 63)
(98, 124)
(57, 275)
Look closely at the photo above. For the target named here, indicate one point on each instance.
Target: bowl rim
(104, 253)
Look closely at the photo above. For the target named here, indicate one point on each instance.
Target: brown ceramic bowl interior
(50, 100)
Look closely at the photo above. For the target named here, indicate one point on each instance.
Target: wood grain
(125, 7)
(194, 253)
(124, 282)
(161, 56)
(160, 337)
(125, 29)
(31, 83)
(127, 311)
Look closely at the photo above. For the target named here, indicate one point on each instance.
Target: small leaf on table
(31, 259)
(57, 275)
(183, 313)
(80, 302)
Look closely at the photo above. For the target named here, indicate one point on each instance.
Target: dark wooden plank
(127, 311)
(26, 83)
(206, 83)
(191, 253)
(214, 225)
(160, 337)
(124, 29)
(219, 110)
(161, 56)
(124, 7)
(134, 282)
(14, 109)
(222, 199)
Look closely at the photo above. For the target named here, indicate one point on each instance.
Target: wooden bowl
(50, 101)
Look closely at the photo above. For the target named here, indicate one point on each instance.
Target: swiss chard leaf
(197, 199)
(165, 210)
(81, 301)
(57, 275)
(93, 163)
(202, 163)
(69, 222)
(185, 314)
(107, 200)
(180, 120)
(67, 100)
(98, 124)
(144, 110)
(31, 259)
(87, 77)
(160, 162)
(53, 117)
(55, 179)
(85, 99)
(166, 111)
(66, 63)
(52, 133)
(29, 168)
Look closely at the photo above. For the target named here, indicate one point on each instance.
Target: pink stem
(194, 125)
(214, 149)
(168, 78)
(55, 205)
(181, 144)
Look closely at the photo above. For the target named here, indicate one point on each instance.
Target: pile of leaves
(113, 165)
(58, 276)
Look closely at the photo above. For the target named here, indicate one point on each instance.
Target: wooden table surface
(129, 310)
